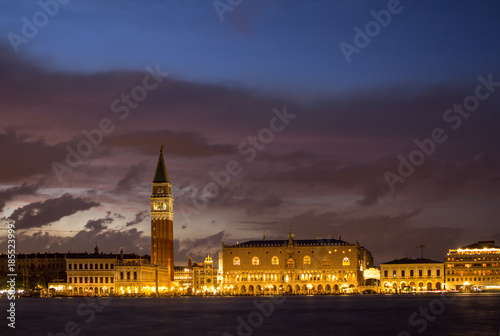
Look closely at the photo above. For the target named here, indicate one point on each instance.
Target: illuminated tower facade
(162, 215)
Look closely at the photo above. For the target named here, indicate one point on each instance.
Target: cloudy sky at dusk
(331, 112)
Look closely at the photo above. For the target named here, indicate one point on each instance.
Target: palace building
(474, 267)
(294, 266)
(411, 275)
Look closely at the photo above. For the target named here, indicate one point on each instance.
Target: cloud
(98, 225)
(139, 217)
(134, 177)
(109, 241)
(184, 144)
(11, 193)
(198, 249)
(32, 157)
(43, 213)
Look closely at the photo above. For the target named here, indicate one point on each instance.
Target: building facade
(294, 266)
(411, 275)
(111, 274)
(183, 277)
(205, 278)
(92, 274)
(137, 277)
(473, 267)
(162, 215)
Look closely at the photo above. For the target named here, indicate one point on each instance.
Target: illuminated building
(408, 275)
(136, 276)
(92, 274)
(111, 274)
(473, 267)
(294, 266)
(183, 276)
(162, 234)
(205, 277)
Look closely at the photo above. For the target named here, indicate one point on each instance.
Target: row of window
(122, 275)
(475, 259)
(473, 265)
(90, 280)
(412, 273)
(475, 279)
(290, 262)
(91, 266)
(289, 277)
(470, 272)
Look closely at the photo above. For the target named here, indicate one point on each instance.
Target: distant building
(294, 266)
(42, 267)
(205, 277)
(473, 267)
(408, 275)
(183, 276)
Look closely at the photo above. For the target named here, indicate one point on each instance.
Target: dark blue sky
(290, 46)
(325, 170)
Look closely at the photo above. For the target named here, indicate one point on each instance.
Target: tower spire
(161, 174)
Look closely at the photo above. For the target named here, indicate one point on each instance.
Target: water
(454, 315)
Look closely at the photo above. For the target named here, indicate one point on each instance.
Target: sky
(369, 121)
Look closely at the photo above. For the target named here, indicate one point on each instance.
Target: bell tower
(162, 216)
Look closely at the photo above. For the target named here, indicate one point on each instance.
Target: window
(111, 279)
(106, 280)
(307, 260)
(326, 262)
(419, 273)
(438, 272)
(135, 275)
(69, 266)
(429, 272)
(128, 275)
(346, 262)
(86, 266)
(385, 274)
(121, 275)
(412, 273)
(290, 262)
(111, 266)
(255, 261)
(236, 261)
(100, 266)
(275, 260)
(101, 278)
(91, 266)
(394, 273)
(106, 266)
(80, 266)
(402, 273)
(70, 278)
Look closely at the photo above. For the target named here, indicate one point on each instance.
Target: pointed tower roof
(161, 174)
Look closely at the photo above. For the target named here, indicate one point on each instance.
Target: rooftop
(305, 242)
(481, 245)
(412, 261)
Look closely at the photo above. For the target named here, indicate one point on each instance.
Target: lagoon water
(388, 315)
